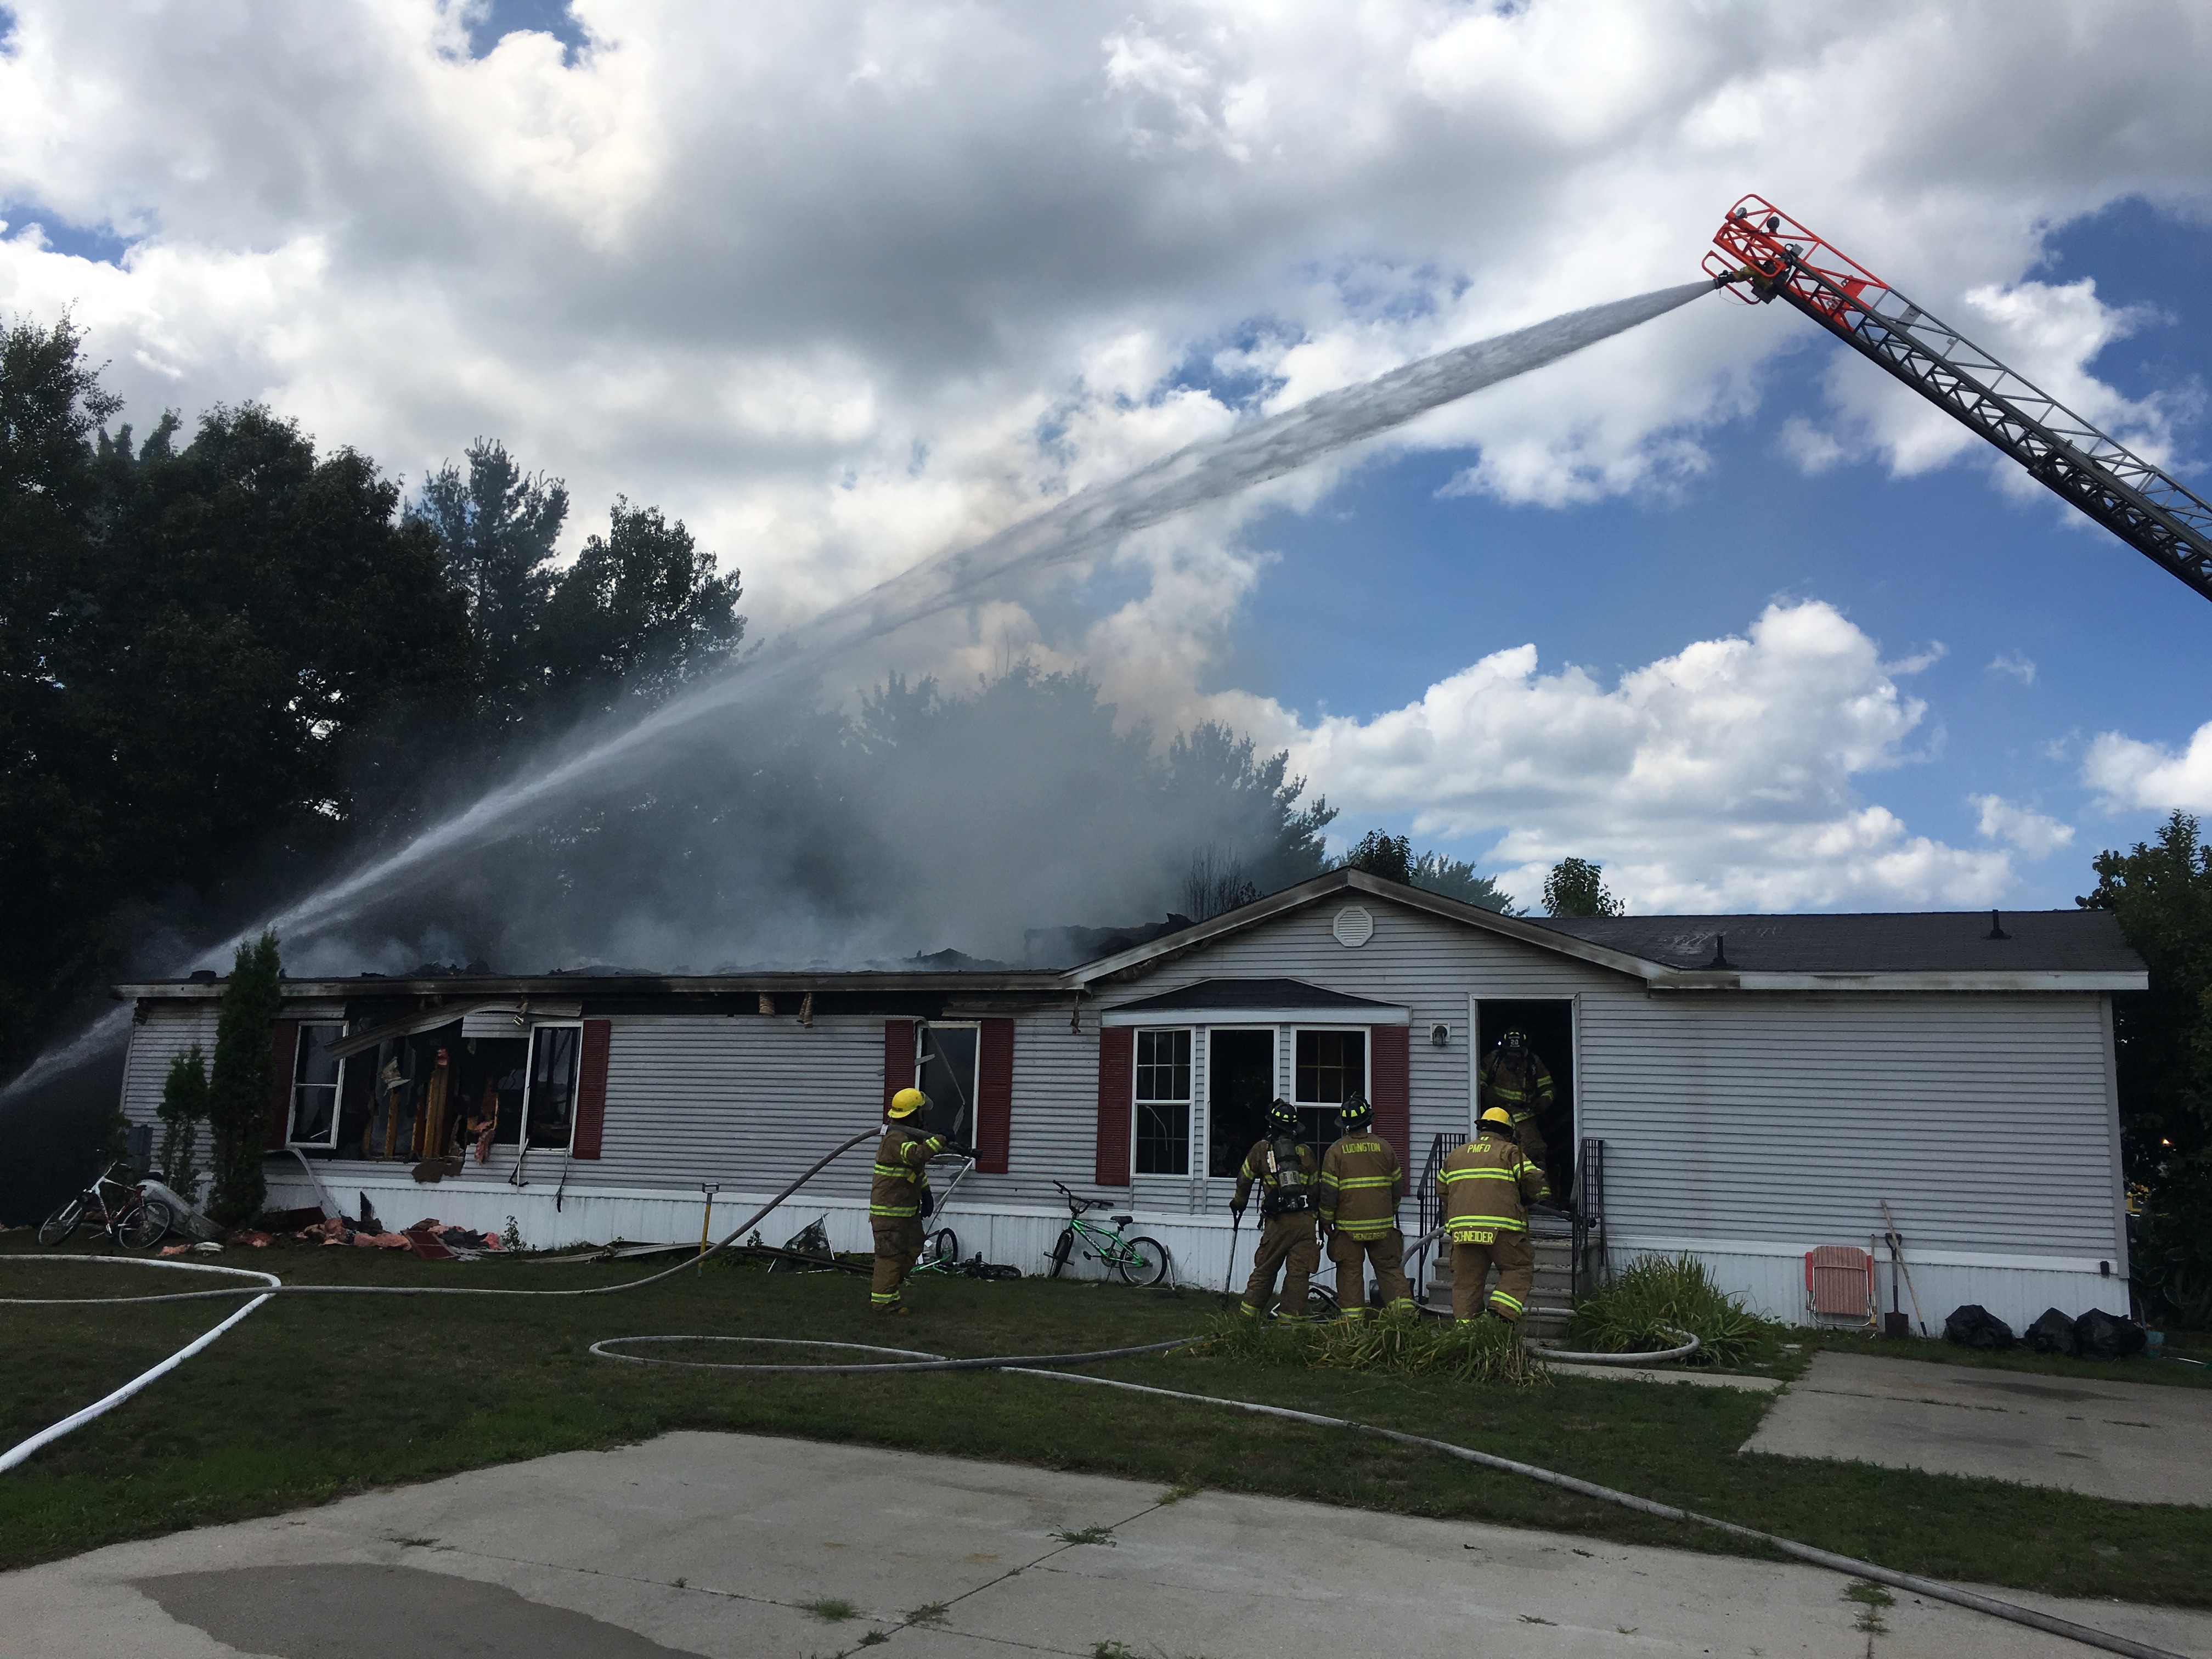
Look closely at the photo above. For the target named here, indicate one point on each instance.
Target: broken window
(1162, 1104)
(944, 1058)
(1331, 1066)
(555, 1057)
(316, 1081)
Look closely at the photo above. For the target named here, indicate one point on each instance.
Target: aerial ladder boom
(1767, 252)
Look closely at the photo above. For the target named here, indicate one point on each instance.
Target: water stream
(1087, 522)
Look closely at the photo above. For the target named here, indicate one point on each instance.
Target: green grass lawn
(312, 1399)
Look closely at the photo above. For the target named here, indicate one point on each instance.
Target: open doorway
(1549, 1024)
(1240, 1081)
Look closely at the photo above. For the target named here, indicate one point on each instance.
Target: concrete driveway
(2137, 1443)
(729, 1544)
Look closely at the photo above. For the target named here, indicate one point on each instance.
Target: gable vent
(1353, 926)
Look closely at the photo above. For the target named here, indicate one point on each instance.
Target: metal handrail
(1587, 1205)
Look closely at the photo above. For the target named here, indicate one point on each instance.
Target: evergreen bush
(184, 1107)
(244, 1075)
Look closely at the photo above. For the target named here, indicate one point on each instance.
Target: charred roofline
(1047, 984)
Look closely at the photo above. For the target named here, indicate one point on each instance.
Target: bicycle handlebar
(1078, 1203)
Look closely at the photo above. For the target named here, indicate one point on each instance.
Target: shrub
(184, 1107)
(1655, 1296)
(1482, 1350)
(245, 1075)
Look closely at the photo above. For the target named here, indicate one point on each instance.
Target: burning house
(1744, 1089)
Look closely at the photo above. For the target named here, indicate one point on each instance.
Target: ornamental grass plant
(1654, 1298)
(1481, 1351)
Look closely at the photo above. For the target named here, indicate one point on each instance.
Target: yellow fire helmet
(907, 1102)
(1499, 1118)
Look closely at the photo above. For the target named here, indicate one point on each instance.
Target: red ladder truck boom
(1765, 251)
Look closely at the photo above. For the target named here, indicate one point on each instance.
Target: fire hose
(909, 1360)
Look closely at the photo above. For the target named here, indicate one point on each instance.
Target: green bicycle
(1138, 1259)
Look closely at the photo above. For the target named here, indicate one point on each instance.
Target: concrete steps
(1549, 1307)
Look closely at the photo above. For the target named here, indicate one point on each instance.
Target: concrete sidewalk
(2138, 1443)
(720, 1544)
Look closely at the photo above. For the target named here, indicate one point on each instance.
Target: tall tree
(2161, 892)
(496, 525)
(1381, 855)
(1576, 887)
(243, 1082)
(50, 833)
(1455, 878)
(640, 612)
(219, 661)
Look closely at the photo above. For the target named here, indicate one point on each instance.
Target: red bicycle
(132, 1220)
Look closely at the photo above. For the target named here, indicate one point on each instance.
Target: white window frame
(329, 1143)
(1366, 1059)
(530, 1083)
(973, 1079)
(1188, 1101)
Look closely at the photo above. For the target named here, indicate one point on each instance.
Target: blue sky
(845, 286)
(1393, 583)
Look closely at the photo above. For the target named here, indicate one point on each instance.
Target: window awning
(1255, 1002)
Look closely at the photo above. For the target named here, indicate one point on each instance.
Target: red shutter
(282, 1057)
(994, 1096)
(1389, 1087)
(898, 1058)
(592, 1088)
(1117, 1095)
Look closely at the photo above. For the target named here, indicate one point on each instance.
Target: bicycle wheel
(1062, 1248)
(62, 1223)
(1141, 1260)
(1320, 1303)
(145, 1225)
(940, 1249)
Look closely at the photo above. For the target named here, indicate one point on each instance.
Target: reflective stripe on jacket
(1487, 1185)
(1522, 1091)
(1361, 1182)
(900, 1175)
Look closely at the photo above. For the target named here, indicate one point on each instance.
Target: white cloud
(1720, 778)
(843, 285)
(2018, 663)
(2034, 834)
(748, 262)
(2128, 774)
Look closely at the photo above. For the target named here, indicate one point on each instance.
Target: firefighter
(1484, 1191)
(1285, 1173)
(1515, 1077)
(1361, 1182)
(899, 1197)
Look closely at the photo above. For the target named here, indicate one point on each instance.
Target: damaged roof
(1927, 941)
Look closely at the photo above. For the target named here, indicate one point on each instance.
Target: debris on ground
(2100, 1335)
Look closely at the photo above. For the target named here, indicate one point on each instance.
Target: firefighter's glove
(1236, 1211)
(959, 1151)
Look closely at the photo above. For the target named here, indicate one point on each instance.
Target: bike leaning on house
(1138, 1259)
(120, 1209)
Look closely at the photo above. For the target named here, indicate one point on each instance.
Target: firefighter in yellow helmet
(1484, 1191)
(1361, 1182)
(1283, 1172)
(899, 1197)
(1513, 1076)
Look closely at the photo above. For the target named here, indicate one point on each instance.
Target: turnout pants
(1287, 1241)
(1514, 1257)
(898, 1241)
(1351, 1256)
